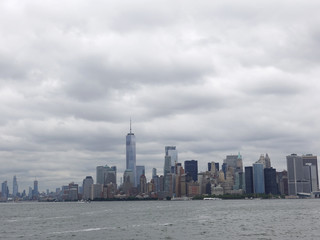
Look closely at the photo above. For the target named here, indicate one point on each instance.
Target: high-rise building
(35, 189)
(265, 160)
(299, 175)
(87, 184)
(131, 154)
(15, 187)
(258, 178)
(310, 159)
(191, 167)
(106, 174)
(171, 158)
(282, 181)
(270, 181)
(249, 179)
(234, 161)
(140, 170)
(4, 191)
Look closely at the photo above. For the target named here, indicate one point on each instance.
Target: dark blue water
(226, 219)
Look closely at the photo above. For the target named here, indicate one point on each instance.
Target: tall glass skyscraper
(258, 178)
(131, 154)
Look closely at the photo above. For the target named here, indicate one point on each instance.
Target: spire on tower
(130, 124)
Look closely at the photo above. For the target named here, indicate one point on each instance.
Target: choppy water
(227, 219)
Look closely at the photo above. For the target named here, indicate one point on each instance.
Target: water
(227, 219)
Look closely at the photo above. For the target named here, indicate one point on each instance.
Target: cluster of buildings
(184, 180)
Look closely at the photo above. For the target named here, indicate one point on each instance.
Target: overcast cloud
(211, 77)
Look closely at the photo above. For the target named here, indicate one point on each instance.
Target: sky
(211, 77)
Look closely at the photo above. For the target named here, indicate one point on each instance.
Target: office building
(258, 178)
(191, 167)
(86, 186)
(310, 159)
(131, 154)
(15, 187)
(173, 153)
(270, 181)
(35, 189)
(4, 191)
(234, 161)
(299, 175)
(140, 170)
(249, 179)
(106, 175)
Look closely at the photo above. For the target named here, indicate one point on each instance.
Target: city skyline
(212, 78)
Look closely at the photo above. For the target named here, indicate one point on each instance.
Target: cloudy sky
(211, 77)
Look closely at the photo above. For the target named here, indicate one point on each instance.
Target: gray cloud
(211, 78)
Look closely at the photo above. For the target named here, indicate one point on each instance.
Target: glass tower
(131, 153)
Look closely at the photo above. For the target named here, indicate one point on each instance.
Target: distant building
(173, 153)
(96, 191)
(312, 160)
(73, 192)
(140, 170)
(191, 167)
(86, 185)
(258, 178)
(15, 187)
(265, 160)
(106, 174)
(143, 184)
(131, 154)
(282, 181)
(299, 175)
(4, 191)
(35, 194)
(270, 181)
(234, 161)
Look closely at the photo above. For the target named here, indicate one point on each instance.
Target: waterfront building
(258, 178)
(4, 191)
(96, 191)
(86, 186)
(282, 181)
(270, 181)
(249, 179)
(35, 194)
(191, 167)
(140, 170)
(310, 159)
(106, 174)
(173, 153)
(128, 182)
(234, 161)
(265, 160)
(131, 154)
(143, 184)
(298, 175)
(15, 187)
(73, 192)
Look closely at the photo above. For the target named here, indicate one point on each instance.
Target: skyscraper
(270, 181)
(172, 153)
(249, 179)
(4, 191)
(258, 178)
(35, 189)
(15, 186)
(310, 159)
(191, 167)
(234, 161)
(298, 175)
(87, 185)
(131, 154)
(140, 170)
